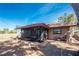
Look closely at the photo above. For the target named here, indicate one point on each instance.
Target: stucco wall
(52, 35)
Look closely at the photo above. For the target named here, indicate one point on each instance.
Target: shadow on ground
(21, 48)
(52, 50)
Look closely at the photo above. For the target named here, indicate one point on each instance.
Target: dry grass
(4, 37)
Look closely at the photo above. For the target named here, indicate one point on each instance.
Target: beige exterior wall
(63, 31)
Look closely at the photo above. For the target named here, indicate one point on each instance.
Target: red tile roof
(54, 25)
(33, 25)
(60, 25)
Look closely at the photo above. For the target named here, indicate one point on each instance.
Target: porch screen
(57, 31)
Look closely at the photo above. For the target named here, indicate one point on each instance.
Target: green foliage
(12, 31)
(67, 18)
(7, 31)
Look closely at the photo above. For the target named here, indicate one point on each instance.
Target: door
(41, 34)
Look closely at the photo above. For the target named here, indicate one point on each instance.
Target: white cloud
(43, 10)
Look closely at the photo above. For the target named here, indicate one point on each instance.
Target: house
(42, 31)
(58, 30)
(33, 32)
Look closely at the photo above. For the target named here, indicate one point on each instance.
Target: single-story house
(33, 32)
(42, 31)
(58, 30)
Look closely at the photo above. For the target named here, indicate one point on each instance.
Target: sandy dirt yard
(5, 37)
(17, 47)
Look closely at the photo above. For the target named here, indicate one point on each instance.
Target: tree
(67, 19)
(12, 32)
(5, 30)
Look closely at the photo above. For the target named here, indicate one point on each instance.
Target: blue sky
(15, 14)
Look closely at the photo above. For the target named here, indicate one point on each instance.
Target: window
(57, 31)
